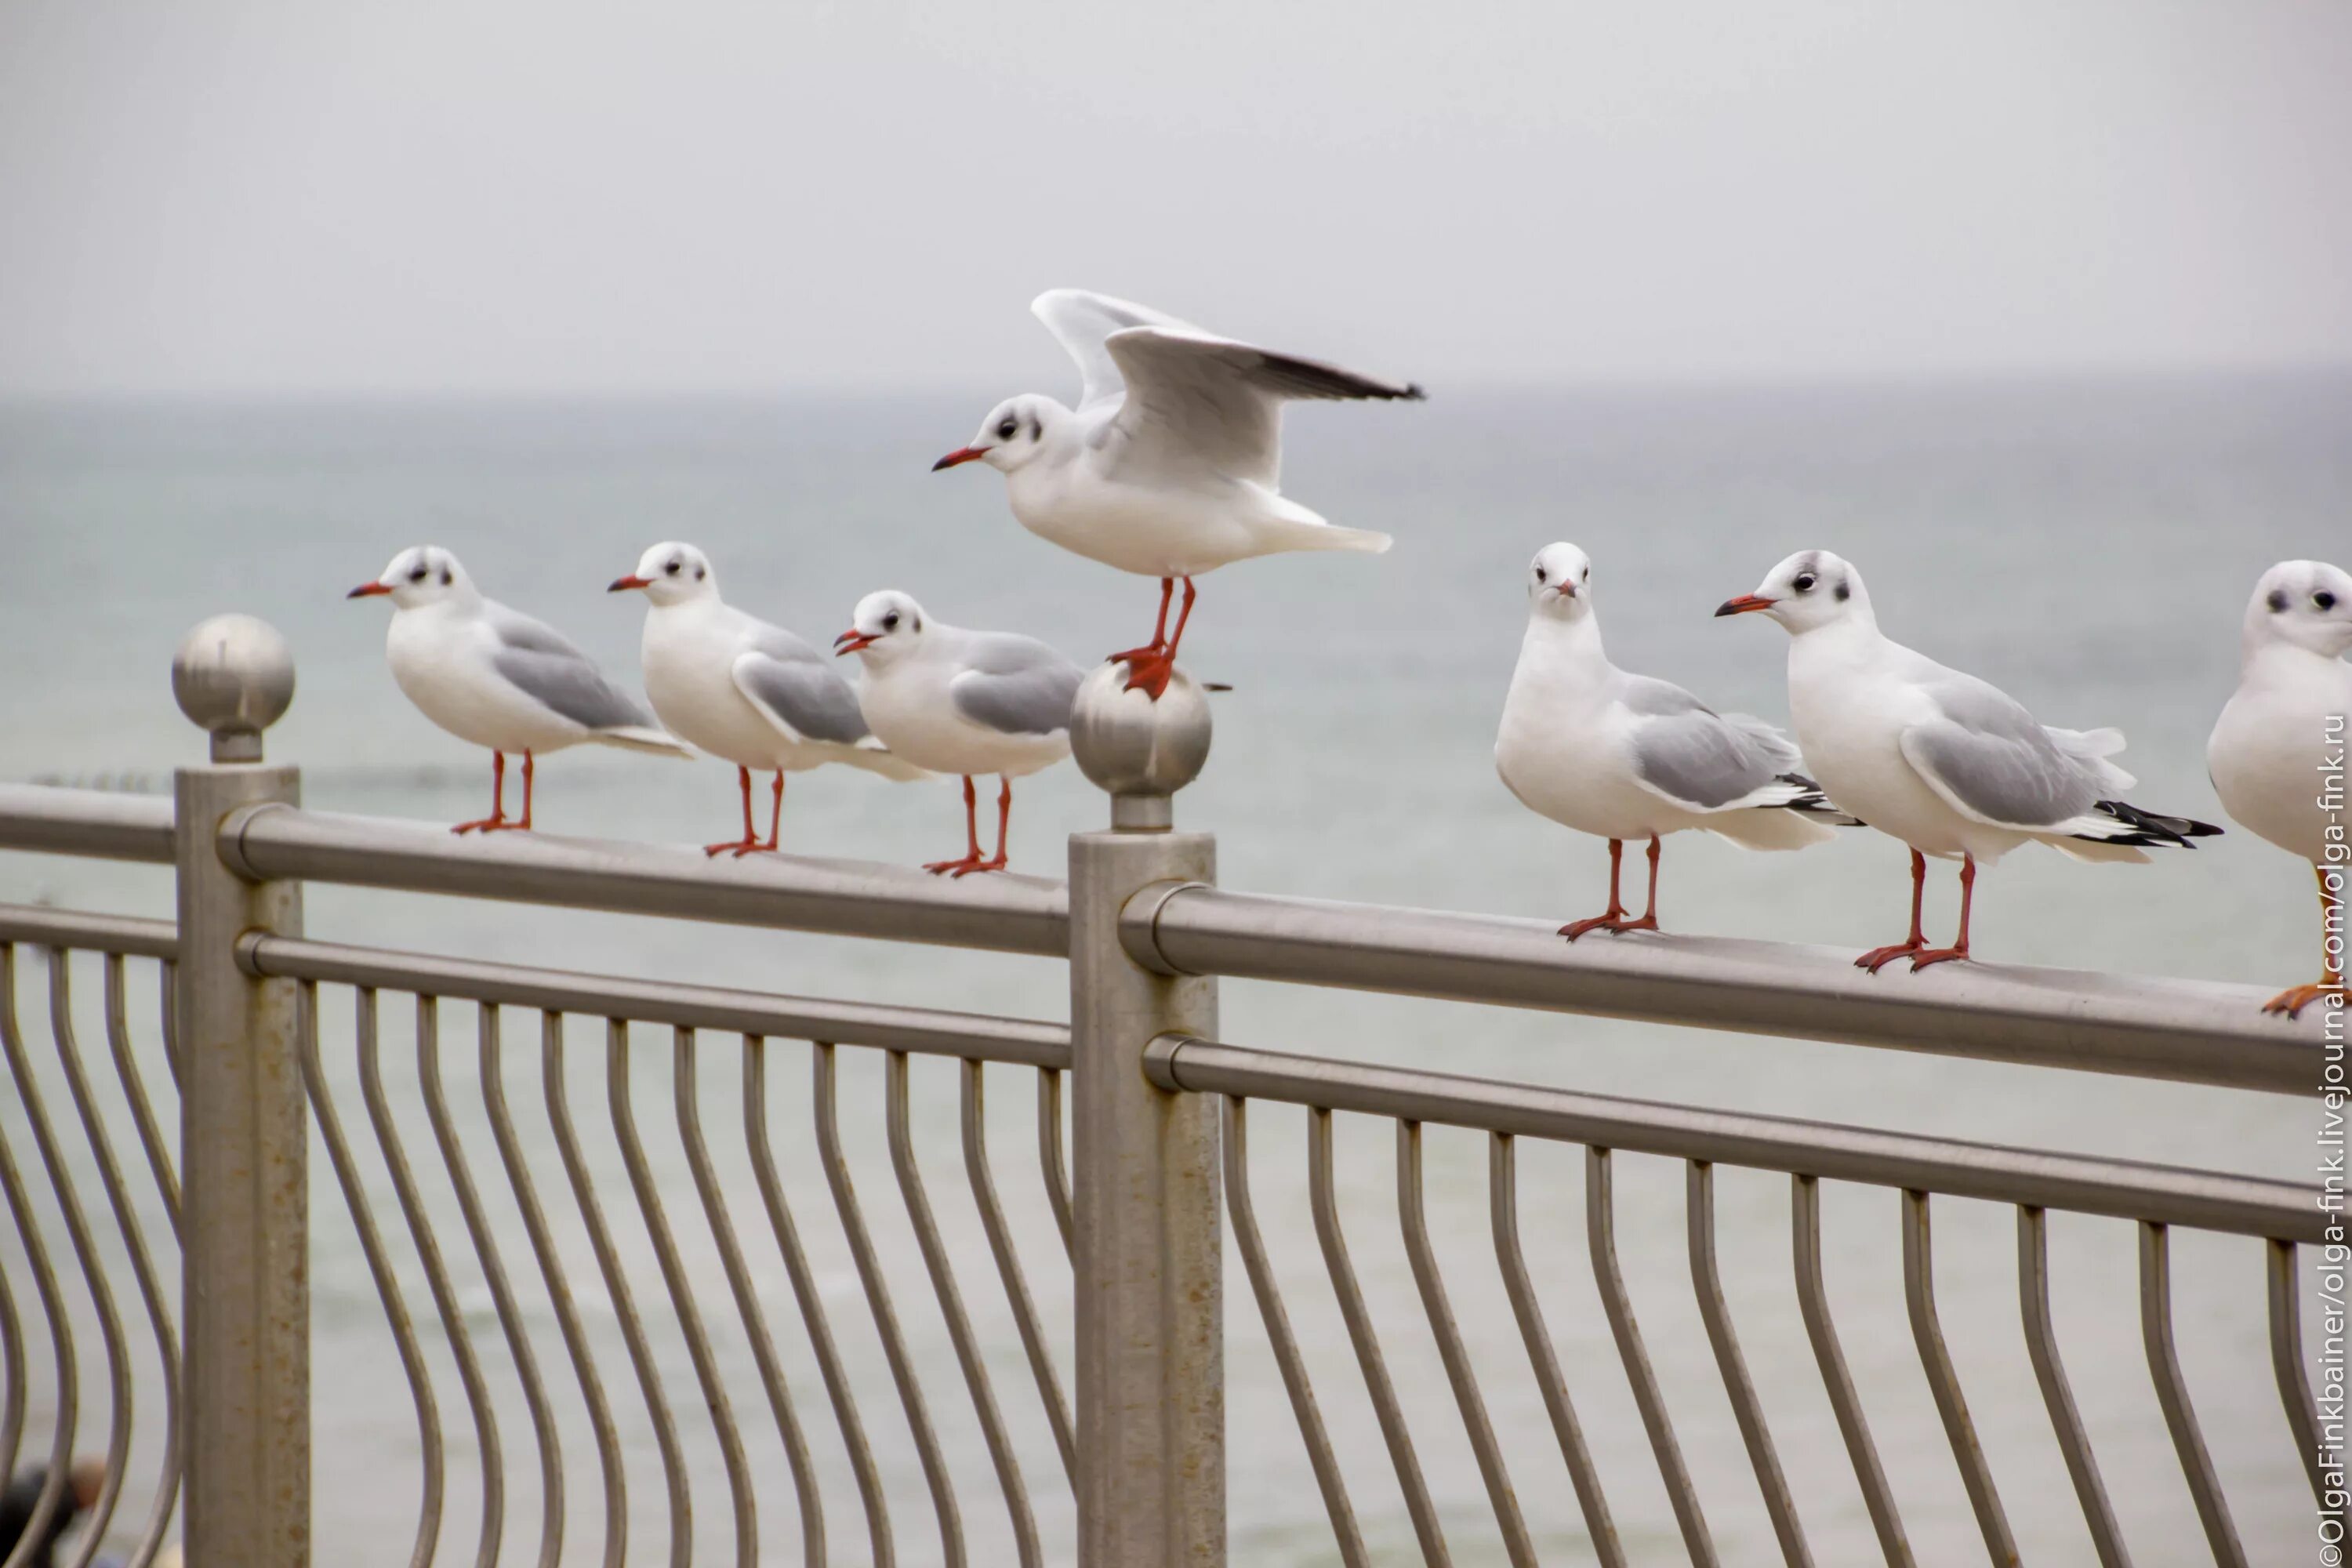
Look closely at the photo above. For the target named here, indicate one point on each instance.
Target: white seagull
(744, 690)
(958, 702)
(1624, 756)
(2276, 755)
(1952, 766)
(494, 677)
(1170, 464)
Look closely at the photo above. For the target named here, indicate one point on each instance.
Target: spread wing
(1080, 322)
(1988, 761)
(1696, 757)
(798, 691)
(1016, 685)
(1195, 400)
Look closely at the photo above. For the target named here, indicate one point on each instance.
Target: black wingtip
(1413, 393)
(2155, 830)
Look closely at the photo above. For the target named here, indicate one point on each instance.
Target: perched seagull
(742, 690)
(2282, 733)
(1944, 762)
(1169, 466)
(1624, 756)
(497, 678)
(958, 702)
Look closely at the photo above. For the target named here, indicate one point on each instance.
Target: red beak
(367, 591)
(1742, 604)
(960, 455)
(850, 641)
(629, 581)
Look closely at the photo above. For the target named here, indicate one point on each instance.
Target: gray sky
(492, 196)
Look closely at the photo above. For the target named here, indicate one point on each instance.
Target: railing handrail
(103, 824)
(2193, 1031)
(2125, 1189)
(133, 936)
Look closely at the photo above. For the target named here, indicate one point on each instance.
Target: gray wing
(517, 630)
(1016, 685)
(1195, 400)
(799, 691)
(1988, 759)
(571, 686)
(1696, 757)
(1080, 322)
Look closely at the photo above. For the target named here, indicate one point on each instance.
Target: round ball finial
(1140, 749)
(233, 676)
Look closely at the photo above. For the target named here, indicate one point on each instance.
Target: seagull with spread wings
(1170, 464)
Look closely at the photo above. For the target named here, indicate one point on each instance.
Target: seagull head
(1014, 432)
(670, 573)
(421, 574)
(1811, 588)
(886, 628)
(1560, 582)
(2305, 602)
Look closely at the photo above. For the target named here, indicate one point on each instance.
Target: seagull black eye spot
(1843, 592)
(445, 578)
(419, 574)
(890, 622)
(2278, 600)
(2324, 600)
(1539, 573)
(1803, 582)
(671, 568)
(1006, 427)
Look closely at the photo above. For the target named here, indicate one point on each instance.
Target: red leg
(1003, 818)
(972, 858)
(2295, 998)
(1878, 958)
(1149, 667)
(749, 840)
(524, 825)
(497, 817)
(1616, 910)
(776, 814)
(1960, 949)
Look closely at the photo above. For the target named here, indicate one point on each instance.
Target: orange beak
(367, 591)
(631, 581)
(850, 641)
(1743, 604)
(960, 455)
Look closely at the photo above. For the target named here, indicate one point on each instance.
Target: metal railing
(598, 1358)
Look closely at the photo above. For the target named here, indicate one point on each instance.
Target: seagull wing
(549, 669)
(798, 692)
(1080, 322)
(1987, 760)
(1701, 760)
(1017, 686)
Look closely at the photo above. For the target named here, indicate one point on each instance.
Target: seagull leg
(497, 817)
(524, 825)
(1149, 667)
(1878, 958)
(2295, 998)
(1616, 910)
(971, 860)
(776, 814)
(1003, 818)
(1926, 956)
(750, 839)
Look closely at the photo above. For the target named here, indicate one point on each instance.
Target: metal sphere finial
(1140, 749)
(233, 676)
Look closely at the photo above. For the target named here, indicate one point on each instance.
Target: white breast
(2268, 752)
(442, 662)
(689, 668)
(910, 709)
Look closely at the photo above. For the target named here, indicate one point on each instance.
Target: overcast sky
(495, 195)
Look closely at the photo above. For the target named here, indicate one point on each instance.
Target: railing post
(1150, 1249)
(244, 1143)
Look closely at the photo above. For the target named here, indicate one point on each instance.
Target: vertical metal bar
(1008, 1267)
(243, 1154)
(437, 1273)
(53, 1303)
(387, 1284)
(2286, 1361)
(1413, 1219)
(877, 1298)
(2041, 1343)
(967, 1350)
(1366, 1340)
(812, 1303)
(1150, 1248)
(142, 1269)
(169, 998)
(1051, 1160)
(134, 1089)
(1706, 1283)
(1920, 1292)
(1503, 1206)
(494, 1274)
(1805, 1220)
(685, 1090)
(616, 1289)
(614, 1487)
(1251, 1245)
(681, 1289)
(2164, 1369)
(1600, 1237)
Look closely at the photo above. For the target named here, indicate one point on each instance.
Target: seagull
(744, 690)
(494, 677)
(958, 702)
(1169, 466)
(1952, 766)
(2276, 755)
(1621, 756)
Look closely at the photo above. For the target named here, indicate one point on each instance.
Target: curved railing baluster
(166, 999)
(1008, 1266)
(1414, 1220)
(2042, 1344)
(45, 1284)
(12, 1378)
(1944, 1381)
(2172, 1394)
(877, 1298)
(1051, 1160)
(943, 1285)
(134, 1089)
(2286, 1361)
(1707, 1284)
(1812, 1299)
(1601, 1235)
(1366, 1340)
(387, 1284)
(685, 1091)
(681, 1289)
(812, 1303)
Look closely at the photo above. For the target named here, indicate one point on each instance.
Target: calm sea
(2087, 545)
